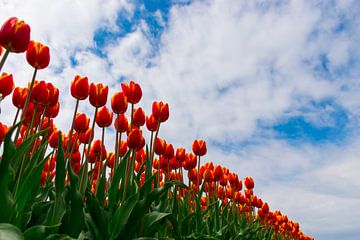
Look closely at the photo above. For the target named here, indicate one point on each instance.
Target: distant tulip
(122, 148)
(119, 103)
(180, 154)
(199, 147)
(81, 123)
(190, 161)
(40, 92)
(98, 94)
(3, 131)
(53, 94)
(159, 146)
(132, 91)
(15, 35)
(134, 138)
(6, 84)
(218, 173)
(53, 111)
(19, 97)
(121, 123)
(38, 55)
(54, 139)
(84, 138)
(160, 111)
(104, 117)
(151, 123)
(169, 151)
(79, 87)
(249, 183)
(139, 117)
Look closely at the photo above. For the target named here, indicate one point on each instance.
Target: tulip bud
(119, 103)
(84, 137)
(139, 117)
(39, 93)
(6, 84)
(53, 94)
(121, 123)
(151, 123)
(160, 111)
(132, 92)
(81, 123)
(53, 111)
(159, 146)
(79, 87)
(98, 94)
(15, 35)
(38, 55)
(134, 138)
(169, 151)
(249, 183)
(19, 97)
(104, 117)
(180, 154)
(199, 147)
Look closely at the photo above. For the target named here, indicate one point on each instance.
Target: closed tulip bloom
(249, 183)
(169, 151)
(84, 137)
(80, 87)
(134, 138)
(53, 111)
(19, 97)
(160, 146)
(218, 173)
(6, 84)
(104, 117)
(40, 93)
(111, 158)
(38, 55)
(123, 148)
(190, 161)
(15, 35)
(265, 208)
(199, 147)
(180, 154)
(3, 131)
(53, 94)
(81, 123)
(160, 111)
(233, 179)
(132, 91)
(119, 103)
(54, 138)
(121, 123)
(151, 123)
(139, 117)
(98, 94)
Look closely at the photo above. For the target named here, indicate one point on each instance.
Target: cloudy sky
(272, 86)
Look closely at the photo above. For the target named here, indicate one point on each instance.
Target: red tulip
(160, 111)
(265, 208)
(81, 123)
(134, 138)
(132, 92)
(6, 84)
(169, 151)
(151, 123)
(53, 111)
(190, 161)
(40, 93)
(121, 123)
(139, 117)
(53, 94)
(104, 117)
(111, 158)
(199, 147)
(98, 94)
(123, 148)
(3, 131)
(80, 87)
(249, 183)
(180, 154)
(54, 138)
(119, 103)
(160, 146)
(84, 138)
(218, 173)
(15, 35)
(38, 55)
(19, 97)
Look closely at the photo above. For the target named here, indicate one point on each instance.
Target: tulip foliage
(68, 185)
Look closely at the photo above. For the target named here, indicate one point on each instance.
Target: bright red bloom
(53, 94)
(54, 138)
(169, 151)
(199, 147)
(208, 175)
(79, 87)
(139, 117)
(84, 138)
(180, 154)
(119, 103)
(160, 146)
(3, 131)
(111, 158)
(40, 93)
(265, 208)
(38, 55)
(81, 123)
(151, 123)
(249, 183)
(233, 179)
(121, 123)
(132, 92)
(53, 111)
(218, 173)
(6, 84)
(122, 148)
(98, 94)
(19, 97)
(15, 35)
(190, 161)
(160, 111)
(104, 117)
(134, 138)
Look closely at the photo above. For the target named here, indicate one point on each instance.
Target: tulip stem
(116, 148)
(71, 129)
(16, 116)
(100, 160)
(132, 116)
(3, 59)
(198, 178)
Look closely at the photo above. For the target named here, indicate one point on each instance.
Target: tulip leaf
(114, 186)
(39, 232)
(10, 232)
(60, 169)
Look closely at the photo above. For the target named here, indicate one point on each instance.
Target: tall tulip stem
(72, 128)
(3, 59)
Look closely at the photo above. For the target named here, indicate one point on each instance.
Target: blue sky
(272, 86)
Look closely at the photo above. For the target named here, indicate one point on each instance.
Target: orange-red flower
(199, 147)
(79, 87)
(98, 94)
(249, 183)
(160, 146)
(54, 138)
(15, 35)
(134, 138)
(121, 123)
(53, 94)
(3, 131)
(132, 92)
(218, 173)
(151, 123)
(53, 111)
(190, 161)
(160, 111)
(123, 148)
(139, 117)
(119, 103)
(180, 154)
(40, 93)
(104, 117)
(6, 84)
(81, 123)
(84, 138)
(38, 55)
(169, 151)
(19, 97)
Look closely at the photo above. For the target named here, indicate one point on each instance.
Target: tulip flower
(159, 146)
(15, 35)
(3, 131)
(52, 112)
(160, 111)
(121, 123)
(40, 93)
(53, 94)
(98, 95)
(139, 117)
(104, 117)
(54, 139)
(134, 138)
(151, 123)
(132, 91)
(180, 155)
(199, 147)
(6, 84)
(38, 55)
(81, 123)
(80, 87)
(249, 183)
(119, 103)
(169, 151)
(86, 137)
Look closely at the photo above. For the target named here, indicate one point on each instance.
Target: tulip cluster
(97, 165)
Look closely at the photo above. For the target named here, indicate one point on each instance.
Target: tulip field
(65, 184)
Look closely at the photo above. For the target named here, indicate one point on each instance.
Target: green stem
(3, 59)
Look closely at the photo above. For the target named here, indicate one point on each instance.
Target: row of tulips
(69, 185)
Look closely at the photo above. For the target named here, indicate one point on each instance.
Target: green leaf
(114, 185)
(39, 232)
(60, 169)
(98, 215)
(10, 232)
(151, 221)
(100, 194)
(59, 237)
